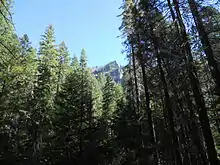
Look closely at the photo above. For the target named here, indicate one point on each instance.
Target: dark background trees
(165, 110)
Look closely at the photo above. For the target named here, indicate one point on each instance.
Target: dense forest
(164, 111)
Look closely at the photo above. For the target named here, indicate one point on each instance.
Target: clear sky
(89, 24)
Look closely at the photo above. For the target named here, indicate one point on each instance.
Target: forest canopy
(164, 111)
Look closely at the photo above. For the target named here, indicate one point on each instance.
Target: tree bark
(167, 101)
(203, 116)
(135, 78)
(147, 99)
(215, 72)
(196, 137)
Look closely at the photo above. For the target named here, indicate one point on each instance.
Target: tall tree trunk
(135, 78)
(196, 137)
(130, 85)
(185, 138)
(203, 116)
(193, 127)
(167, 101)
(205, 43)
(147, 99)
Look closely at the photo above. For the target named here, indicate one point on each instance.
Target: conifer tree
(49, 57)
(108, 97)
(42, 103)
(54, 110)
(64, 64)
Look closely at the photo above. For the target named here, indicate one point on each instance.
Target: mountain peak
(112, 68)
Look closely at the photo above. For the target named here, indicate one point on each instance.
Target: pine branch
(9, 21)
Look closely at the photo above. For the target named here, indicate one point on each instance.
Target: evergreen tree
(49, 57)
(64, 64)
(109, 103)
(53, 110)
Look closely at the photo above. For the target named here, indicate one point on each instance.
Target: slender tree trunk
(135, 78)
(147, 99)
(195, 135)
(184, 139)
(205, 43)
(130, 85)
(167, 101)
(193, 127)
(203, 116)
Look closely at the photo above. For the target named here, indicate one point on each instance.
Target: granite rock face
(112, 68)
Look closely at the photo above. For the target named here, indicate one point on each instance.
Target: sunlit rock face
(112, 68)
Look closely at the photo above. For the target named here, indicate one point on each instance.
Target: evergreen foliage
(54, 111)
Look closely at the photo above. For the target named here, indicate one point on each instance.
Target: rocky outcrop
(112, 68)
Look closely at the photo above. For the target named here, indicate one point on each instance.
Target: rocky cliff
(112, 68)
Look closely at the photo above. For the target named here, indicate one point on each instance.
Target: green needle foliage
(55, 110)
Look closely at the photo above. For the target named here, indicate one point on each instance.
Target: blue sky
(89, 24)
